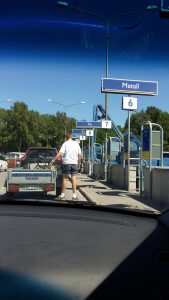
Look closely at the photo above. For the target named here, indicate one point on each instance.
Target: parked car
(41, 157)
(3, 163)
(14, 158)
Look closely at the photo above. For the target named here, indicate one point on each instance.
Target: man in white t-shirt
(71, 154)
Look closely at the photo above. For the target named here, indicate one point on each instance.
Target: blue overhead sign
(79, 131)
(88, 124)
(126, 86)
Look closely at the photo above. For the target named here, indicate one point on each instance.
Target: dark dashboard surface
(87, 253)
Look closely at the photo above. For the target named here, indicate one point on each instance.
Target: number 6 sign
(129, 103)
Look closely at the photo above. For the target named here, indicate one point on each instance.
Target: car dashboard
(82, 253)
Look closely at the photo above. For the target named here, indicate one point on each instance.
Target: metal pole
(150, 145)
(19, 144)
(82, 148)
(150, 167)
(141, 167)
(106, 101)
(162, 139)
(128, 150)
(92, 151)
(161, 142)
(90, 165)
(65, 122)
(94, 156)
(89, 150)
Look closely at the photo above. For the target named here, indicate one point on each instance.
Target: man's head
(68, 136)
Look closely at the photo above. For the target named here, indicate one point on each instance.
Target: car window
(41, 153)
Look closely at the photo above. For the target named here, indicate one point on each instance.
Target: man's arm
(59, 155)
(79, 157)
(79, 154)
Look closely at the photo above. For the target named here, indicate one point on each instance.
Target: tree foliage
(154, 115)
(101, 134)
(21, 128)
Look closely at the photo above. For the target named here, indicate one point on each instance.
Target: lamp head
(152, 7)
(62, 4)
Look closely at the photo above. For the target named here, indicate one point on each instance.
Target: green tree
(101, 133)
(18, 126)
(21, 127)
(154, 115)
(136, 121)
(4, 133)
(52, 129)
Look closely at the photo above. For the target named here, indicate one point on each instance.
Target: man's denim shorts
(68, 169)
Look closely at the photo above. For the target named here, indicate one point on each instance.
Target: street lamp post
(6, 100)
(107, 23)
(65, 108)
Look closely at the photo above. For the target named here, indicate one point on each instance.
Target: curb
(86, 196)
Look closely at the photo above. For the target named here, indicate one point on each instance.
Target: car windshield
(98, 73)
(41, 153)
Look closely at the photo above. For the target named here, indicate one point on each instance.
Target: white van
(14, 155)
(3, 163)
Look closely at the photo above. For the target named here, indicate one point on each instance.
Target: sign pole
(89, 150)
(106, 101)
(105, 157)
(128, 185)
(82, 148)
(129, 104)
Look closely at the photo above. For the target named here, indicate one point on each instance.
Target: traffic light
(164, 8)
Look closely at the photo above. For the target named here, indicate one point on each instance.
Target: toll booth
(151, 152)
(113, 149)
(131, 160)
(97, 152)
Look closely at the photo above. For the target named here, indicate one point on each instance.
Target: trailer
(23, 180)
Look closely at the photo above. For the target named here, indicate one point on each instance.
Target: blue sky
(63, 59)
(34, 81)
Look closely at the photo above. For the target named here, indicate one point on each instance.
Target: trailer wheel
(10, 195)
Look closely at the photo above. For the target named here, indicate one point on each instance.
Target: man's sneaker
(74, 198)
(60, 198)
